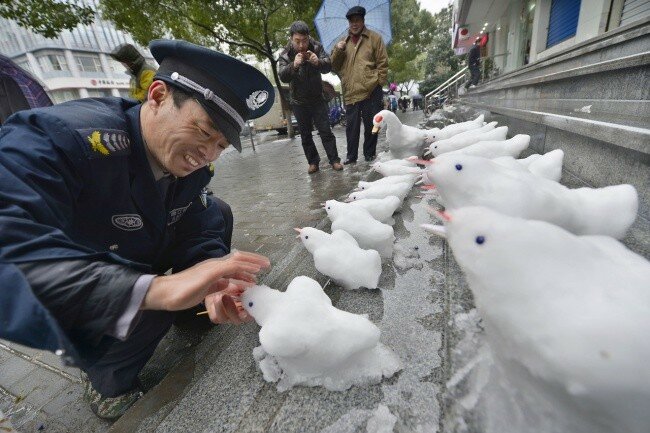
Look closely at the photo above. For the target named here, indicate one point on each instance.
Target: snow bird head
(488, 243)
(457, 172)
(334, 208)
(312, 238)
(354, 196)
(379, 120)
(432, 135)
(259, 302)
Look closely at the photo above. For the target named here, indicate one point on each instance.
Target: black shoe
(109, 408)
(370, 158)
(349, 161)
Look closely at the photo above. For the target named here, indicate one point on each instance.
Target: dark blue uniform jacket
(76, 189)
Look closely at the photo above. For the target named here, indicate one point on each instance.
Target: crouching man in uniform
(100, 197)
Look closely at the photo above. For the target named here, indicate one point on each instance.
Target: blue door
(563, 21)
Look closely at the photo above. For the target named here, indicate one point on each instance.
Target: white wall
(592, 19)
(515, 37)
(591, 22)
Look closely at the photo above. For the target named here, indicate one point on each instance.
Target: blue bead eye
(250, 304)
(459, 167)
(480, 239)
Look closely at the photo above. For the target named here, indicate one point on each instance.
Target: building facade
(74, 65)
(520, 32)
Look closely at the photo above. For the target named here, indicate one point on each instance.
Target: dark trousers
(316, 114)
(475, 72)
(356, 113)
(116, 372)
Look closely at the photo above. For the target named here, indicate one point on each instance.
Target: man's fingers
(243, 314)
(241, 284)
(259, 259)
(230, 309)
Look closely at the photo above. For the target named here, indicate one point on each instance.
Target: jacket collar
(365, 32)
(143, 185)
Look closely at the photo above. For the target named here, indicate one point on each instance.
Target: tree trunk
(286, 107)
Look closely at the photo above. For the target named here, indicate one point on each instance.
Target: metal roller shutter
(563, 21)
(634, 10)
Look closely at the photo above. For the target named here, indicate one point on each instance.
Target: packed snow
(307, 341)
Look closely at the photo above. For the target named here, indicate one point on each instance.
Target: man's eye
(205, 134)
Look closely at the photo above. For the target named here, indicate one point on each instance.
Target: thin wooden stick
(202, 312)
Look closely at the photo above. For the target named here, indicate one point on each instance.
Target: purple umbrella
(30, 88)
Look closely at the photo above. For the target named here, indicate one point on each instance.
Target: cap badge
(257, 99)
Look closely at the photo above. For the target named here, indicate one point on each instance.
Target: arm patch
(100, 143)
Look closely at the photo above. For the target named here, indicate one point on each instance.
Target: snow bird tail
(596, 205)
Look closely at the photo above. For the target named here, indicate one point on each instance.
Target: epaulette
(100, 143)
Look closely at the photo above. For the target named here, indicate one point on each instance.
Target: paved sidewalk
(219, 389)
(270, 193)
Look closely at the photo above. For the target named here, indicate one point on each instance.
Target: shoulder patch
(100, 143)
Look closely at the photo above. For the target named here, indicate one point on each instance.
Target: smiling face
(182, 138)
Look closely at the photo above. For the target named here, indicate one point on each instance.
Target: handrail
(438, 91)
(445, 83)
(448, 85)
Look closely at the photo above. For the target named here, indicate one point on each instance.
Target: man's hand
(225, 305)
(340, 45)
(298, 60)
(186, 289)
(312, 58)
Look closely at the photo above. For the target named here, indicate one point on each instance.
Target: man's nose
(209, 153)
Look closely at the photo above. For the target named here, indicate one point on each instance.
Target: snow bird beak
(420, 182)
(348, 200)
(439, 215)
(299, 232)
(428, 152)
(421, 161)
(435, 229)
(375, 129)
(444, 215)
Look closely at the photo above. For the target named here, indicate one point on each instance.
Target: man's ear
(157, 93)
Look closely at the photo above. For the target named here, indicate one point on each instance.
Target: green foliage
(46, 17)
(412, 31)
(441, 62)
(257, 27)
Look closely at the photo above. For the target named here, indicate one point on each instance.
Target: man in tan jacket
(361, 61)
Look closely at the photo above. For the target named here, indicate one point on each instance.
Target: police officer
(100, 197)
